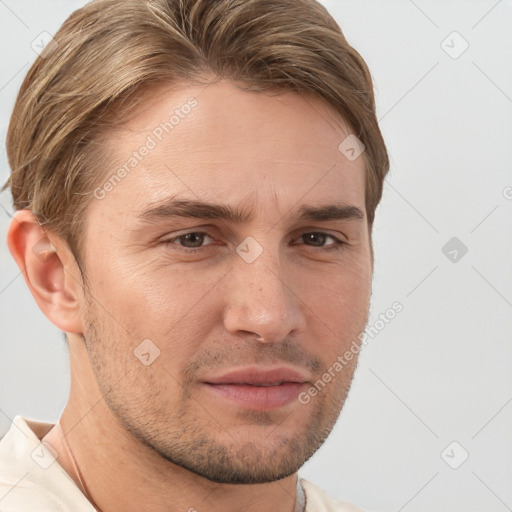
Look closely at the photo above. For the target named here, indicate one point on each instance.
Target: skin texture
(153, 437)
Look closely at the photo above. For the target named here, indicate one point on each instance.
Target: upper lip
(259, 376)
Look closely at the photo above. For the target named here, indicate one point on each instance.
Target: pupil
(190, 237)
(319, 238)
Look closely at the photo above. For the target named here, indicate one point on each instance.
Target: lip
(258, 388)
(259, 376)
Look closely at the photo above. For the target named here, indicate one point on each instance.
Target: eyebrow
(203, 210)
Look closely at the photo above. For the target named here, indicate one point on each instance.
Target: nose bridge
(266, 278)
(260, 299)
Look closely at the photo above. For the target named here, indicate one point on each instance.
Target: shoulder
(317, 500)
(30, 476)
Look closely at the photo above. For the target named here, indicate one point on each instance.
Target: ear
(50, 271)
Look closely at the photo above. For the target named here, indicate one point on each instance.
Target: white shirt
(31, 479)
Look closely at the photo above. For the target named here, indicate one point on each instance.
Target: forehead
(225, 143)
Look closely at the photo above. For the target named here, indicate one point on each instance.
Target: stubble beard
(172, 430)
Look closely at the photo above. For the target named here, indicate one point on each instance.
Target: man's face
(275, 298)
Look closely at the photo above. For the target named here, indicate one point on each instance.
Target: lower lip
(258, 397)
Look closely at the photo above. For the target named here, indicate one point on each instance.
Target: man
(195, 185)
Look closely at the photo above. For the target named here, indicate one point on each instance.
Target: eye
(318, 239)
(193, 240)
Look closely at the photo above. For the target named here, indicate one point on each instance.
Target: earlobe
(49, 270)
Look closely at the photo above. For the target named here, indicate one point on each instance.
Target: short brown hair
(107, 52)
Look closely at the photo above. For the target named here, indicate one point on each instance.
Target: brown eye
(318, 239)
(192, 240)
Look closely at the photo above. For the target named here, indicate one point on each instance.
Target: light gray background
(441, 370)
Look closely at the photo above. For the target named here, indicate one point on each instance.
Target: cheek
(151, 290)
(337, 310)
(170, 305)
(339, 292)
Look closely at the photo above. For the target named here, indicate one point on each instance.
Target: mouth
(258, 388)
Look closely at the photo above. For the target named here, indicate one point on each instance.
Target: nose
(261, 301)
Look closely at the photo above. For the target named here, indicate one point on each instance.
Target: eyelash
(337, 246)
